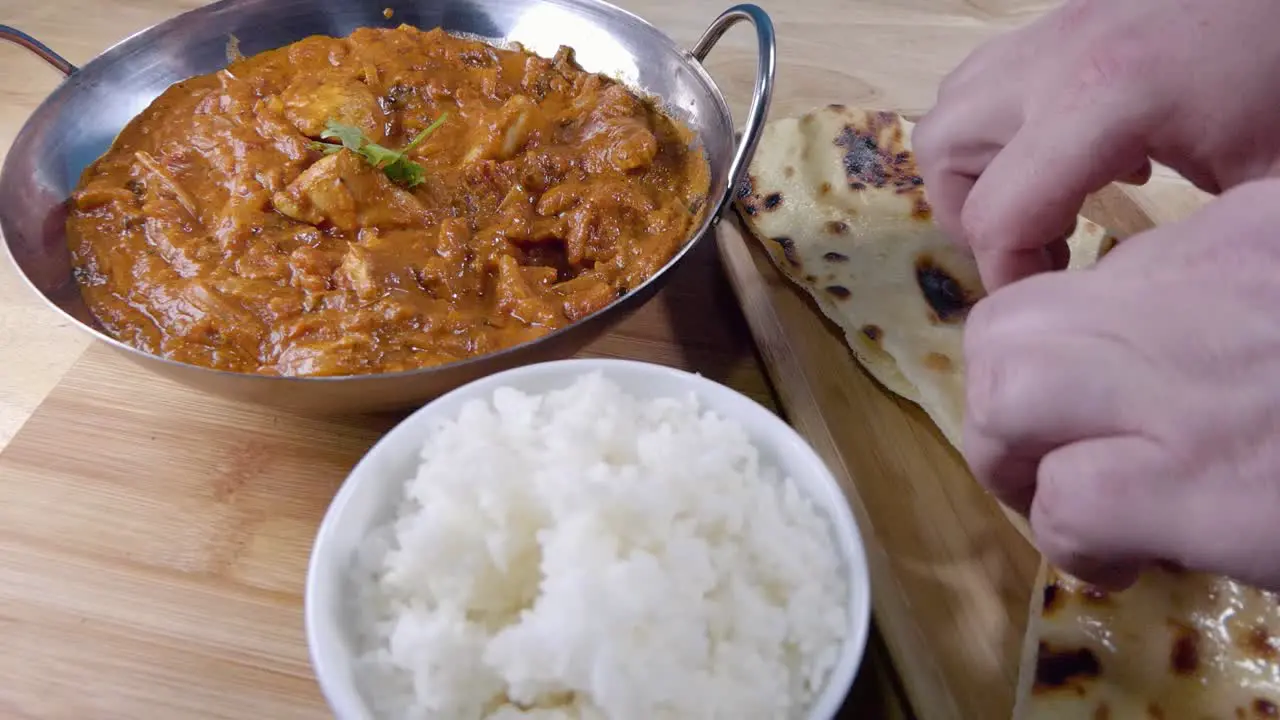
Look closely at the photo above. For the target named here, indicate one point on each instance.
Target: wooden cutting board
(951, 577)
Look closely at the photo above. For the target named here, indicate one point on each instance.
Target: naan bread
(1175, 646)
(834, 197)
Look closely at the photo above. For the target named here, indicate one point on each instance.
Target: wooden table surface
(908, 46)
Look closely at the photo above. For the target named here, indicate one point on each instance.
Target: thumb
(1033, 189)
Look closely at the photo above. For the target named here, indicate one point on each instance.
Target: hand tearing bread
(835, 199)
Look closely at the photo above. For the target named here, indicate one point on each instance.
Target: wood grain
(950, 575)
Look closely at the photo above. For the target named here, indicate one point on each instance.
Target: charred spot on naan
(872, 333)
(938, 362)
(1184, 658)
(1259, 643)
(788, 250)
(920, 209)
(835, 257)
(752, 202)
(876, 156)
(748, 199)
(836, 227)
(945, 295)
(838, 292)
(1264, 708)
(1065, 670)
(1054, 599)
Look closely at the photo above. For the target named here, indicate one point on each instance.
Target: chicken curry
(391, 200)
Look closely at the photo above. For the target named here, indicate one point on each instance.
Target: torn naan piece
(1175, 646)
(835, 198)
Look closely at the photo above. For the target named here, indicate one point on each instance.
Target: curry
(391, 200)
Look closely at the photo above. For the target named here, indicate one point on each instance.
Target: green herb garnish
(394, 163)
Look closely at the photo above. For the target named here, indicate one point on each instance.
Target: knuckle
(928, 140)
(1107, 64)
(983, 224)
(980, 326)
(988, 393)
(1080, 498)
(1061, 519)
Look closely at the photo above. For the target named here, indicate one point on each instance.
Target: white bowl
(368, 498)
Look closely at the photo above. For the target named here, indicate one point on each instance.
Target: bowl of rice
(594, 539)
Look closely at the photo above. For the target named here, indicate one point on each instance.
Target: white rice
(585, 554)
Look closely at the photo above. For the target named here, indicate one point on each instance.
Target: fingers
(1032, 190)
(1024, 399)
(1042, 370)
(954, 142)
(946, 192)
(1105, 508)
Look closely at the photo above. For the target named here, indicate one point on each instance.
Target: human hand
(1035, 120)
(1133, 409)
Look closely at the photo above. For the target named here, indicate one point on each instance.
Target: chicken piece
(356, 273)
(518, 119)
(311, 101)
(521, 300)
(319, 194)
(444, 274)
(382, 262)
(311, 268)
(625, 143)
(560, 198)
(347, 192)
(188, 254)
(632, 146)
(614, 102)
(584, 295)
(542, 76)
(516, 211)
(540, 276)
(102, 192)
(198, 311)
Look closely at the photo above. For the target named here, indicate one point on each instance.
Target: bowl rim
(343, 697)
(120, 50)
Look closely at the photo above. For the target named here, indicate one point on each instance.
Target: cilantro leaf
(351, 137)
(379, 156)
(405, 172)
(395, 164)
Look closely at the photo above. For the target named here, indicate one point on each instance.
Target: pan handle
(763, 93)
(17, 37)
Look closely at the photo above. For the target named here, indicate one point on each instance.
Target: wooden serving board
(951, 577)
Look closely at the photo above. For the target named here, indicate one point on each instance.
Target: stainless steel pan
(79, 120)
